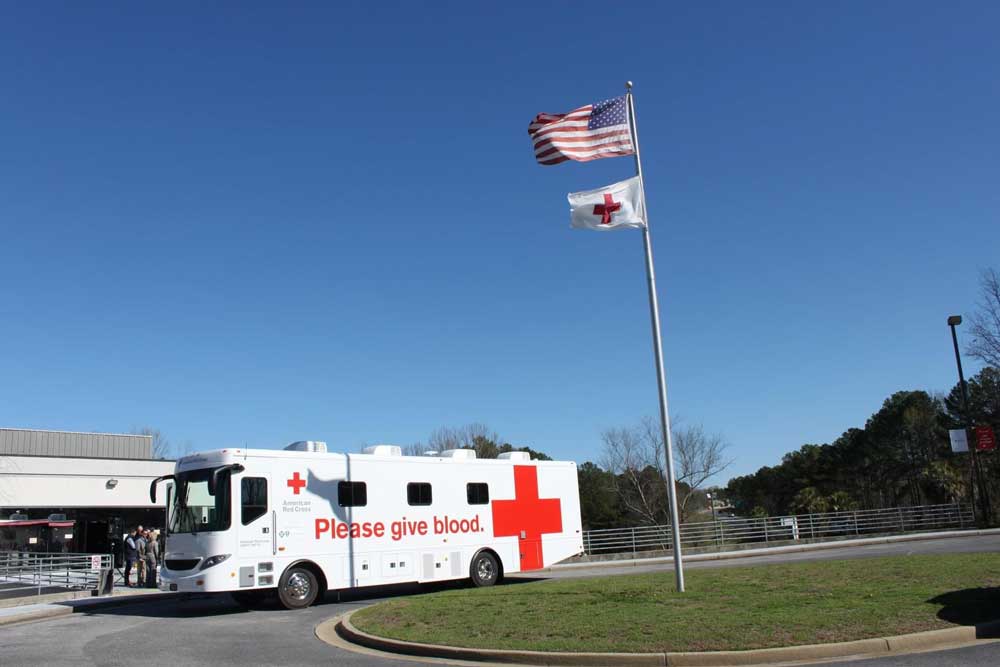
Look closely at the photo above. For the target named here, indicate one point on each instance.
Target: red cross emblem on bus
(527, 517)
(606, 209)
(297, 483)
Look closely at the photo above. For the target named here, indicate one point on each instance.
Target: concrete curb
(342, 627)
(47, 611)
(35, 615)
(44, 598)
(66, 596)
(921, 641)
(770, 551)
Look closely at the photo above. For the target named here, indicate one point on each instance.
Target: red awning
(37, 522)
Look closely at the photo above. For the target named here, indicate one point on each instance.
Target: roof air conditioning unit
(515, 456)
(383, 450)
(463, 454)
(307, 446)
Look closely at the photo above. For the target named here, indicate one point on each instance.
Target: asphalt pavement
(211, 629)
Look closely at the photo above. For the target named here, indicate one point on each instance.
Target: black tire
(250, 599)
(484, 570)
(298, 588)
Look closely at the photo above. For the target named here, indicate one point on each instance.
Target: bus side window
(478, 493)
(352, 494)
(418, 493)
(254, 498)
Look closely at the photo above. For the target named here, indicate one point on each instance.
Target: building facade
(75, 492)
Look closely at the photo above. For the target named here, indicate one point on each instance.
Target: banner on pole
(959, 440)
(985, 439)
(615, 206)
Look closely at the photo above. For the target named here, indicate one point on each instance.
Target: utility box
(105, 582)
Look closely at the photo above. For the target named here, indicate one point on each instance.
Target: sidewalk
(62, 604)
(639, 560)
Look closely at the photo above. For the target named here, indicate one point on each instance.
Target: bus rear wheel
(298, 588)
(484, 570)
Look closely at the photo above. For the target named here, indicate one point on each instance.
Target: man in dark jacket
(131, 554)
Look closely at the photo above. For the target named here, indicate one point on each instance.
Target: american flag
(589, 133)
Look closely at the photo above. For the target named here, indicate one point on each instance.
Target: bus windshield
(193, 509)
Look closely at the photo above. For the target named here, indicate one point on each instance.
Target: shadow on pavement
(206, 605)
(971, 606)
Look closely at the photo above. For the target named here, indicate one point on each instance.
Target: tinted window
(254, 498)
(418, 493)
(352, 494)
(478, 493)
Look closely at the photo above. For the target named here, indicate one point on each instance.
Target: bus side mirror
(152, 487)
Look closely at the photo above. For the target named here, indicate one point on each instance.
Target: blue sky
(253, 225)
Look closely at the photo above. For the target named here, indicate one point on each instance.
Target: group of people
(142, 551)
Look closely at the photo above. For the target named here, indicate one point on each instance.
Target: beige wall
(36, 481)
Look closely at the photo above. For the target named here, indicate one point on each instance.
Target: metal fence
(29, 572)
(731, 533)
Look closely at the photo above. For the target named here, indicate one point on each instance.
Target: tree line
(902, 454)
(628, 488)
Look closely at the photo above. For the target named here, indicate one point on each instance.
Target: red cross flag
(614, 206)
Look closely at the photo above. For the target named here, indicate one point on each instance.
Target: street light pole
(977, 475)
(711, 503)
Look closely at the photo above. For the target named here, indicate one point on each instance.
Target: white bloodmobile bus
(301, 521)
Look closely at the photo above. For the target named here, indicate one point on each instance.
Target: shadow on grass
(971, 606)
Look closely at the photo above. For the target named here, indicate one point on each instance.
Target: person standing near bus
(131, 555)
(140, 562)
(152, 556)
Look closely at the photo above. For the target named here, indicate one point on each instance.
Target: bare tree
(416, 449)
(471, 436)
(985, 323)
(161, 446)
(698, 456)
(477, 436)
(636, 457)
(638, 476)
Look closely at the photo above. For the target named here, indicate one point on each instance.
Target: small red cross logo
(297, 483)
(606, 209)
(527, 517)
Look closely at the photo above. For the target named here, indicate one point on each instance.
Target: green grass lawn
(723, 609)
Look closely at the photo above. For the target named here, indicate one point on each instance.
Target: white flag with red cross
(615, 206)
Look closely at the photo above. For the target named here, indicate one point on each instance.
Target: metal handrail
(730, 533)
(35, 571)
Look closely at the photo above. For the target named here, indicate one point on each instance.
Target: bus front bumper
(211, 580)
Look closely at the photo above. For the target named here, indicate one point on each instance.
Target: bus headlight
(213, 560)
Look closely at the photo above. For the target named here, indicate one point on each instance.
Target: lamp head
(954, 320)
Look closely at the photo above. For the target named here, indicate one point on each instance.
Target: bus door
(256, 531)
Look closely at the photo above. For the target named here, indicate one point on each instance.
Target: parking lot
(213, 630)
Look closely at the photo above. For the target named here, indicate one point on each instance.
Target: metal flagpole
(661, 378)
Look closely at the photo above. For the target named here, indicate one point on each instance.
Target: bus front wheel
(298, 588)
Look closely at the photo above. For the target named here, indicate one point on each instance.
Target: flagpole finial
(628, 86)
